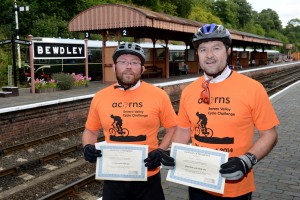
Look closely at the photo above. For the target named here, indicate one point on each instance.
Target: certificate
(197, 167)
(122, 162)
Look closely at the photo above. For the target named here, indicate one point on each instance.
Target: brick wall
(18, 124)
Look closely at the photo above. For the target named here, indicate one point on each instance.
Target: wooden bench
(152, 72)
(6, 94)
(9, 91)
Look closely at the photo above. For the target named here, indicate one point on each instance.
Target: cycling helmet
(210, 32)
(129, 48)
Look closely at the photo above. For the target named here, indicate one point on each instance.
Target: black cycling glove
(158, 157)
(236, 167)
(91, 153)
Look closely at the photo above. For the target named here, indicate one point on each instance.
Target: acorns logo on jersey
(225, 100)
(127, 104)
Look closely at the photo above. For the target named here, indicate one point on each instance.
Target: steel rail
(40, 161)
(68, 189)
(284, 84)
(18, 147)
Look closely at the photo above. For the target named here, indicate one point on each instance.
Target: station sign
(46, 50)
(5, 41)
(26, 42)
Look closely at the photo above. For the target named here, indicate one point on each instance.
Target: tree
(201, 14)
(269, 20)
(292, 32)
(180, 8)
(293, 23)
(184, 7)
(7, 22)
(227, 12)
(244, 12)
(52, 26)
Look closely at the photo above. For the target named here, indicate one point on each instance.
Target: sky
(286, 9)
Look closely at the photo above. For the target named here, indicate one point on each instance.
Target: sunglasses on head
(205, 94)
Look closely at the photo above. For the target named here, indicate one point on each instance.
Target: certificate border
(123, 177)
(215, 187)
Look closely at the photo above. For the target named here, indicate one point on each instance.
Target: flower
(43, 84)
(52, 84)
(79, 79)
(37, 83)
(86, 80)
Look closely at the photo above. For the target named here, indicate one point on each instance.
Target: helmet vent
(211, 28)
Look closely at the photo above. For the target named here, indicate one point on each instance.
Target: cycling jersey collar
(121, 87)
(224, 75)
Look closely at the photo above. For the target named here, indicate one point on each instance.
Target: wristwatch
(252, 158)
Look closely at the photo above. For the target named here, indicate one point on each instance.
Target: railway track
(74, 187)
(21, 146)
(277, 81)
(7, 152)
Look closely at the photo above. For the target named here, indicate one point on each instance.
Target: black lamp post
(17, 10)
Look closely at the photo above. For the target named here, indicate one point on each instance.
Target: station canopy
(128, 21)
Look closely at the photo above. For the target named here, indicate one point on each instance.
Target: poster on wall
(191, 54)
(147, 54)
(244, 54)
(160, 54)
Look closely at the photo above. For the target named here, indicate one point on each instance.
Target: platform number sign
(86, 35)
(124, 32)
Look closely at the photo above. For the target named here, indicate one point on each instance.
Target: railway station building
(122, 21)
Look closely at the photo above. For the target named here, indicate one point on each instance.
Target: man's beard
(220, 72)
(127, 84)
(216, 74)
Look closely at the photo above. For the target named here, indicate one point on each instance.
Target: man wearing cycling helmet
(234, 105)
(142, 108)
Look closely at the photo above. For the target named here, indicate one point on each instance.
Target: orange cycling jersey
(237, 105)
(131, 116)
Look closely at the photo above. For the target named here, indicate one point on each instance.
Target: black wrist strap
(252, 158)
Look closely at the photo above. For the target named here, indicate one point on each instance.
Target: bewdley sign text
(44, 50)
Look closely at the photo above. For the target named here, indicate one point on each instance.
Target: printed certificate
(197, 167)
(122, 162)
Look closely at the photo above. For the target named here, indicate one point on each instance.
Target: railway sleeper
(30, 164)
(68, 189)
(24, 166)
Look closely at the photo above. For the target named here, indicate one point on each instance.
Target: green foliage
(254, 28)
(292, 31)
(184, 7)
(64, 81)
(3, 75)
(269, 20)
(152, 4)
(227, 12)
(168, 8)
(180, 8)
(6, 17)
(51, 27)
(200, 14)
(294, 23)
(243, 13)
(277, 35)
(4, 58)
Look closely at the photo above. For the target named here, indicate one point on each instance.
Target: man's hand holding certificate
(123, 162)
(197, 167)
(158, 157)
